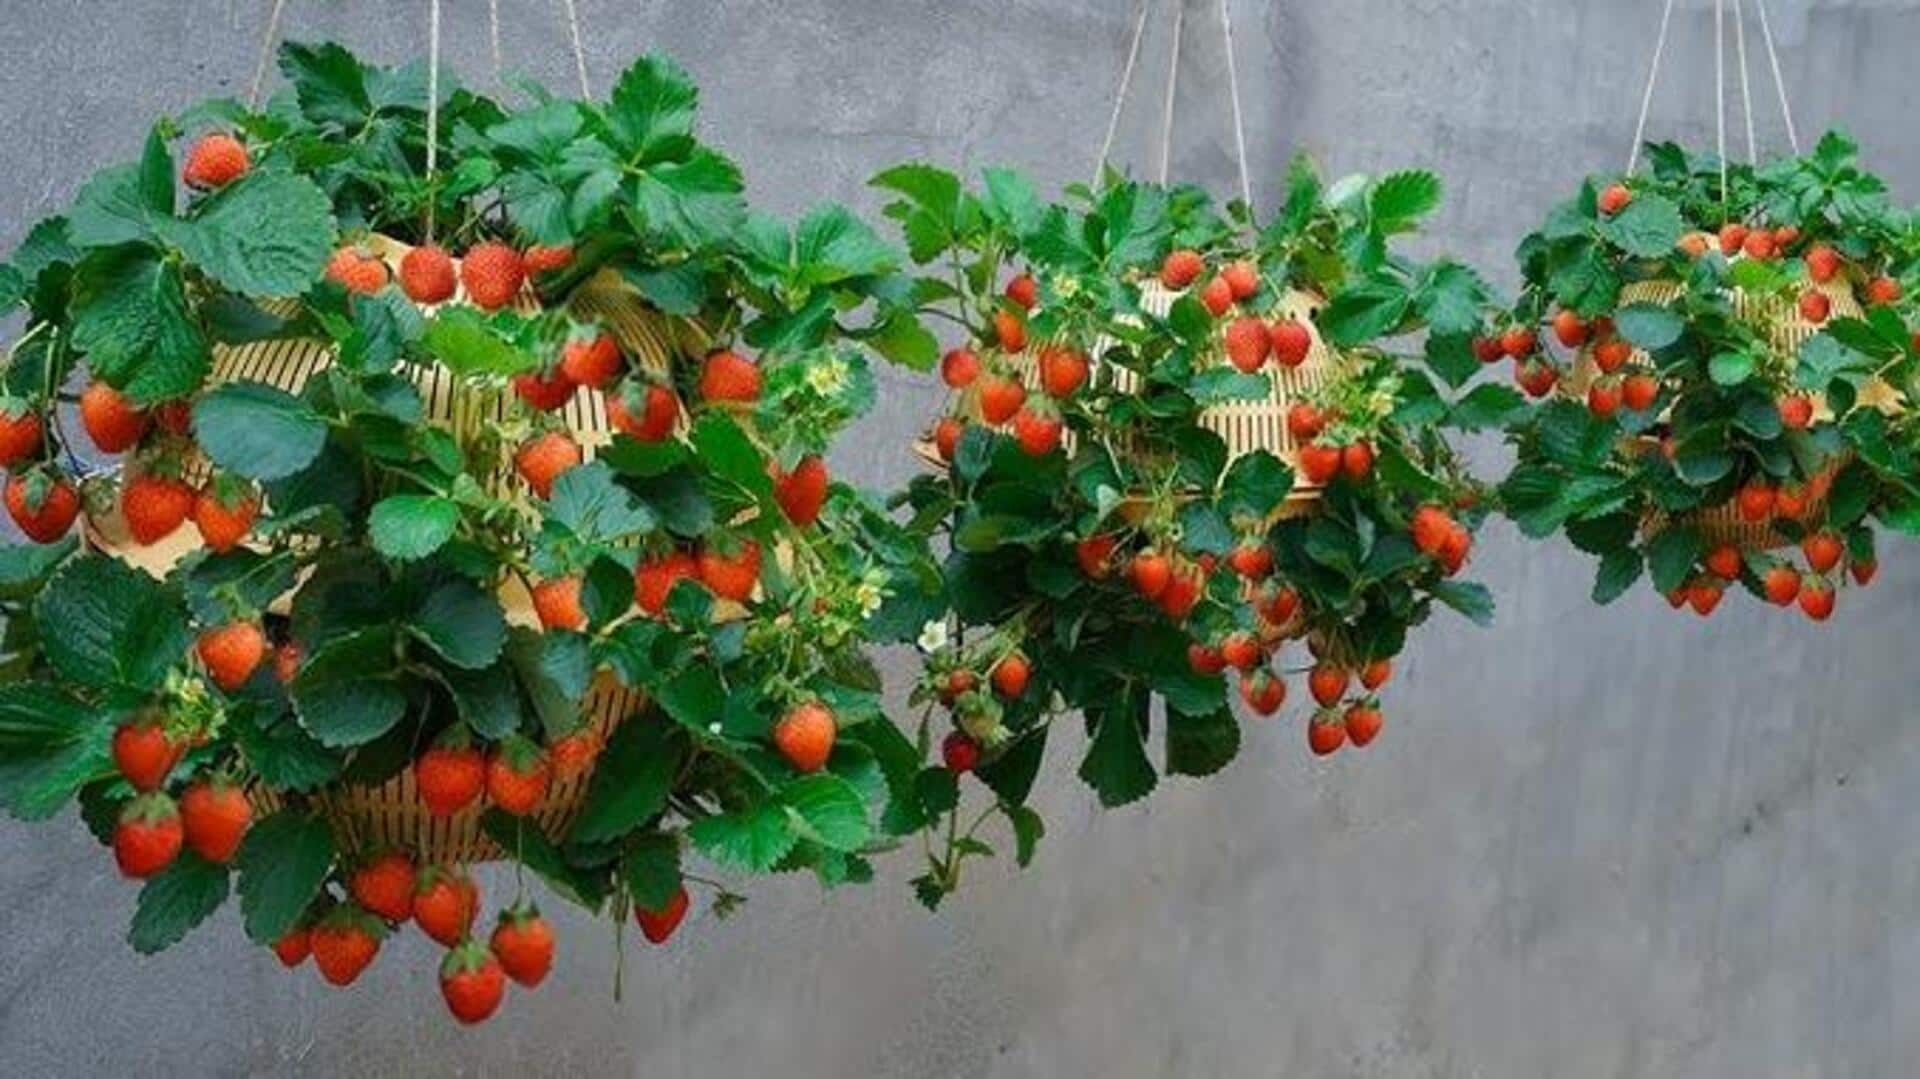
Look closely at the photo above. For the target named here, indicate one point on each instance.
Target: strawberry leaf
(828, 810)
(282, 864)
(651, 869)
(1200, 745)
(754, 838)
(267, 234)
(257, 430)
(631, 781)
(1116, 764)
(51, 744)
(407, 528)
(110, 625)
(171, 904)
(130, 317)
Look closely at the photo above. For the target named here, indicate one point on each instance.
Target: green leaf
(827, 810)
(831, 245)
(630, 783)
(651, 108)
(731, 456)
(1028, 829)
(1731, 368)
(695, 699)
(1619, 568)
(282, 864)
(284, 755)
(257, 430)
(463, 339)
(488, 699)
(462, 623)
(51, 744)
(171, 904)
(1650, 326)
(115, 207)
(328, 82)
(526, 843)
(697, 202)
(1254, 485)
(651, 868)
(1467, 597)
(1201, 745)
(1364, 312)
(1647, 228)
(1487, 405)
(1671, 556)
(1400, 199)
(754, 838)
(1116, 764)
(1011, 200)
(587, 500)
(903, 340)
(410, 527)
(130, 318)
(111, 626)
(267, 234)
(345, 694)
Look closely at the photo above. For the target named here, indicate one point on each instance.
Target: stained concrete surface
(1592, 843)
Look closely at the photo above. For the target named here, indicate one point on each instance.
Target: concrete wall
(1592, 842)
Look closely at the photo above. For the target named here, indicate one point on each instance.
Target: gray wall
(1591, 843)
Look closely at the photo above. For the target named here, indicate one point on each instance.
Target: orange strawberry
(1356, 461)
(1000, 398)
(1883, 290)
(1732, 238)
(231, 653)
(427, 275)
(214, 817)
(1038, 433)
(1781, 584)
(805, 736)
(1319, 462)
(1217, 297)
(1823, 263)
(523, 943)
(472, 983)
(1823, 551)
(1363, 724)
(1611, 355)
(653, 580)
(557, 603)
(493, 275)
(1815, 306)
(1181, 268)
(1816, 598)
(543, 458)
(44, 507)
(658, 410)
(1755, 501)
(1305, 422)
(1570, 329)
(1010, 676)
(540, 259)
(1796, 412)
(518, 776)
(1024, 292)
(1327, 733)
(294, 946)
(145, 754)
(1615, 199)
(445, 902)
(345, 943)
(450, 775)
(154, 505)
(357, 271)
(1639, 391)
(1263, 692)
(591, 361)
(732, 575)
(946, 437)
(224, 521)
(1725, 562)
(573, 754)
(384, 885)
(1247, 343)
(1095, 554)
(19, 433)
(546, 392)
(1291, 341)
(110, 419)
(215, 160)
(1062, 371)
(729, 376)
(1242, 279)
(148, 836)
(802, 491)
(1375, 673)
(959, 368)
(1010, 331)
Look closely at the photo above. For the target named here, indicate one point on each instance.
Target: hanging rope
(433, 107)
(579, 53)
(493, 36)
(1646, 96)
(1233, 91)
(1120, 98)
(1780, 84)
(1173, 84)
(266, 50)
(1746, 91)
(1720, 95)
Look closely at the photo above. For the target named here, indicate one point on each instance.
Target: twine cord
(579, 53)
(1653, 78)
(1720, 95)
(1779, 83)
(1233, 91)
(493, 36)
(1173, 84)
(1746, 90)
(266, 49)
(433, 107)
(1120, 98)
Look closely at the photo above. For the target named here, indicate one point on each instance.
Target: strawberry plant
(368, 591)
(1109, 544)
(1737, 356)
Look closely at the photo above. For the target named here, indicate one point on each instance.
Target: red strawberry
(1363, 724)
(345, 943)
(427, 275)
(1759, 245)
(1755, 501)
(214, 817)
(1205, 659)
(1326, 734)
(1251, 559)
(294, 946)
(1375, 673)
(803, 491)
(1815, 306)
(1703, 597)
(545, 392)
(1611, 355)
(1357, 461)
(111, 421)
(1785, 236)
(1010, 676)
(155, 505)
(946, 437)
(1615, 199)
(1430, 527)
(1823, 551)
(1242, 279)
(231, 653)
(1790, 502)
(573, 754)
(658, 411)
(1000, 398)
(1038, 433)
(1453, 553)
(591, 361)
(1319, 462)
(1094, 554)
(43, 507)
(523, 942)
(1151, 572)
(556, 601)
(1570, 329)
(1291, 341)
(472, 983)
(1305, 422)
(658, 925)
(215, 160)
(450, 776)
(1537, 377)
(1639, 391)
(959, 683)
(1781, 584)
(1823, 263)
(959, 753)
(445, 902)
(145, 754)
(959, 368)
(1694, 244)
(357, 271)
(542, 458)
(1241, 651)
(1182, 268)
(1725, 562)
(729, 376)
(1328, 683)
(384, 884)
(1883, 290)
(539, 259)
(1062, 371)
(1519, 342)
(1796, 412)
(148, 836)
(1816, 598)
(1864, 570)
(1732, 238)
(1247, 343)
(1262, 692)
(1183, 593)
(1217, 297)
(1279, 606)
(1488, 350)
(1603, 398)
(653, 580)
(493, 275)
(1010, 331)
(1023, 291)
(224, 522)
(518, 777)
(19, 433)
(805, 736)
(731, 573)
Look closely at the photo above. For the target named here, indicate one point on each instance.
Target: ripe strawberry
(1375, 673)
(1217, 297)
(1328, 683)
(445, 902)
(1759, 245)
(541, 259)
(148, 836)
(1755, 501)
(1038, 433)
(1094, 555)
(224, 522)
(1864, 570)
(384, 884)
(1816, 598)
(805, 736)
(1363, 724)
(732, 572)
(1453, 553)
(729, 376)
(1796, 412)
(523, 943)
(493, 275)
(1000, 398)
(1151, 572)
(1204, 659)
(111, 421)
(1326, 733)
(1183, 592)
(1519, 342)
(1781, 584)
(1883, 290)
(1537, 377)
(946, 437)
(545, 392)
(286, 662)
(960, 753)
(1319, 462)
(214, 817)
(1278, 605)
(43, 507)
(1815, 306)
(472, 983)
(1305, 422)
(1615, 199)
(518, 777)
(1062, 371)
(658, 410)
(1639, 391)
(658, 925)
(345, 943)
(653, 580)
(1251, 559)
(19, 433)
(1611, 355)
(427, 275)
(1570, 329)
(294, 946)
(215, 160)
(1247, 343)
(1823, 551)
(1694, 244)
(542, 458)
(1010, 331)
(1010, 676)
(450, 776)
(1023, 291)
(1823, 264)
(1356, 461)
(1732, 238)
(1291, 341)
(1784, 237)
(557, 603)
(1241, 651)
(357, 271)
(1488, 350)
(154, 505)
(1603, 398)
(959, 368)
(1430, 526)
(1677, 598)
(1725, 562)
(1262, 692)
(1181, 268)
(1703, 597)
(802, 491)
(231, 653)
(145, 754)
(591, 361)
(1242, 279)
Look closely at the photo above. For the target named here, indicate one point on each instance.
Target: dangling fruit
(658, 925)
(805, 736)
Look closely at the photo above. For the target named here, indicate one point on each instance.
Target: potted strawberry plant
(1179, 438)
(437, 516)
(1729, 400)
